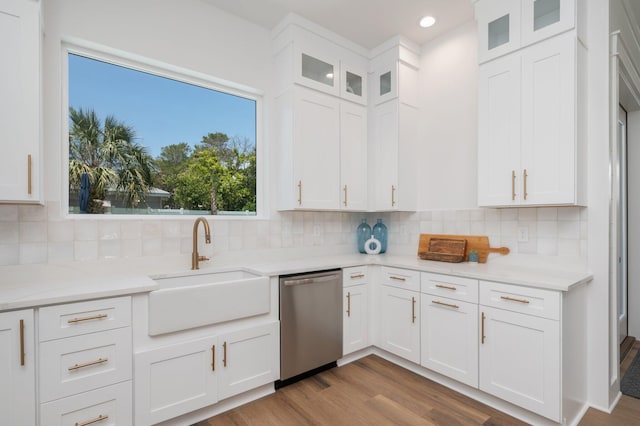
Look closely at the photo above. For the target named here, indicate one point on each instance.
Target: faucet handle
(202, 258)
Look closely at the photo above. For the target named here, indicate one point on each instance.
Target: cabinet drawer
(81, 363)
(354, 276)
(401, 278)
(73, 319)
(109, 406)
(464, 289)
(526, 300)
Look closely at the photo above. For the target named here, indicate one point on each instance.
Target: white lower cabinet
(180, 378)
(355, 334)
(17, 368)
(449, 338)
(520, 346)
(399, 322)
(108, 406)
(249, 359)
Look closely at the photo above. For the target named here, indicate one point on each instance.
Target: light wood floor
(373, 391)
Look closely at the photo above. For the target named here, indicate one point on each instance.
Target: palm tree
(109, 155)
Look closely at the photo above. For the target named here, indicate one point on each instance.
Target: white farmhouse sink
(195, 300)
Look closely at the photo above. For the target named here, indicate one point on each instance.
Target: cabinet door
(355, 319)
(499, 132)
(549, 121)
(385, 81)
(400, 323)
(316, 147)
(317, 70)
(384, 168)
(498, 28)
(520, 360)
(20, 101)
(545, 18)
(449, 338)
(353, 156)
(175, 380)
(247, 359)
(353, 83)
(17, 367)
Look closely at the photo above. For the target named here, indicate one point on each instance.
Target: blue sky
(162, 111)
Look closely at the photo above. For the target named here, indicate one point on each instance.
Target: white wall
(449, 125)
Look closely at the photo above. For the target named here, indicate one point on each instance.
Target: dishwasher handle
(311, 280)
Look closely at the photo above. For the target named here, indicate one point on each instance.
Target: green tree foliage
(172, 162)
(110, 156)
(220, 174)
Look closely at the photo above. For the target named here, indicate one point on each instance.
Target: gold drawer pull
(88, 364)
(299, 192)
(513, 299)
(445, 304)
(513, 185)
(22, 342)
(348, 304)
(345, 195)
(484, 317)
(413, 309)
(91, 318)
(213, 358)
(393, 196)
(92, 421)
(224, 354)
(525, 184)
(448, 287)
(356, 276)
(29, 167)
(393, 277)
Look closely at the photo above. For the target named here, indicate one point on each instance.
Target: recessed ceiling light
(427, 21)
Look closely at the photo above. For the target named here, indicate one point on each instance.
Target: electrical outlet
(523, 234)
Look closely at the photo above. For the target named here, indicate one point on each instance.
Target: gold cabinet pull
(88, 364)
(22, 342)
(213, 357)
(448, 287)
(348, 304)
(345, 195)
(29, 174)
(513, 185)
(437, 302)
(91, 318)
(393, 196)
(224, 354)
(393, 277)
(525, 175)
(356, 276)
(513, 299)
(92, 421)
(482, 328)
(413, 309)
(299, 192)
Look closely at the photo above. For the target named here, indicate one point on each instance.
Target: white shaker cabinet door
(520, 360)
(20, 87)
(17, 368)
(399, 325)
(355, 318)
(316, 150)
(549, 122)
(499, 178)
(353, 156)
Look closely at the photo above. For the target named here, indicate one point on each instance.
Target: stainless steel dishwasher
(310, 323)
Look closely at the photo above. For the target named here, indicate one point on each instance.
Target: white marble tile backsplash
(34, 234)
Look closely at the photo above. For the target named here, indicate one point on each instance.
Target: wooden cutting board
(478, 242)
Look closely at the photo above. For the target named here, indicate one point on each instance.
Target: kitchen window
(153, 140)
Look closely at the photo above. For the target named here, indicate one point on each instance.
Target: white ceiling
(365, 22)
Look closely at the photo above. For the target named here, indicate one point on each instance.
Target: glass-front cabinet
(317, 71)
(507, 25)
(385, 84)
(353, 83)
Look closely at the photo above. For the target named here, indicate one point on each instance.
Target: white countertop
(37, 285)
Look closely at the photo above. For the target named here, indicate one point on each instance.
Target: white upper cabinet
(353, 83)
(531, 125)
(353, 156)
(393, 129)
(317, 71)
(507, 25)
(20, 117)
